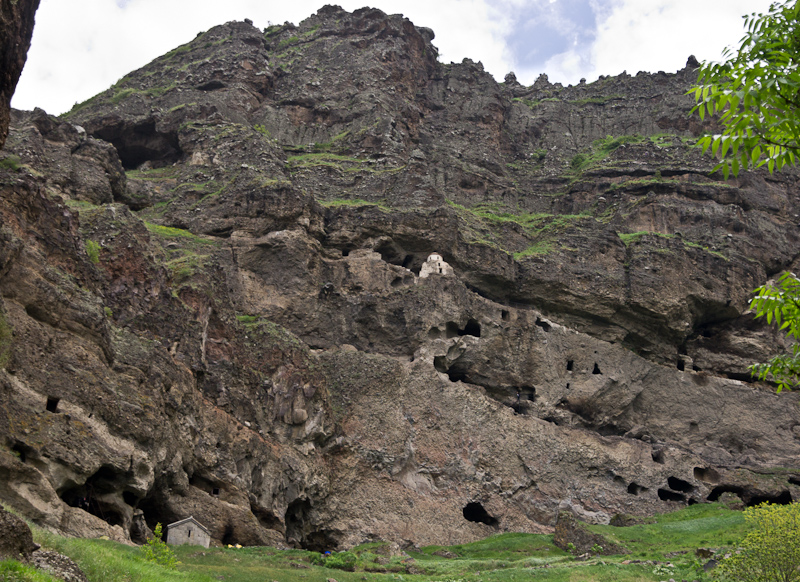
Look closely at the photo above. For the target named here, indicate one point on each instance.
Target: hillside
(216, 299)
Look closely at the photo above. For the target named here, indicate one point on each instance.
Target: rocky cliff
(216, 300)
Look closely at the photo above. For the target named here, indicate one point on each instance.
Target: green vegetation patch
(93, 250)
(663, 549)
(599, 150)
(170, 232)
(11, 162)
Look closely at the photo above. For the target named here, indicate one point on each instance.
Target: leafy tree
(780, 303)
(756, 93)
(155, 550)
(771, 552)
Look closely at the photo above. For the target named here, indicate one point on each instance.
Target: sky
(82, 47)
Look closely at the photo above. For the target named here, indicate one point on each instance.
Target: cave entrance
(98, 495)
(474, 511)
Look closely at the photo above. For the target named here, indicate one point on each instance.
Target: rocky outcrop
(573, 536)
(212, 301)
(16, 540)
(16, 30)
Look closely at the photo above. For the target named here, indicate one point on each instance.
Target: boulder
(16, 540)
(571, 531)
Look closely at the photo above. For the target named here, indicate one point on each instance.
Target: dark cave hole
(84, 497)
(408, 261)
(130, 498)
(296, 536)
(229, 535)
(22, 451)
(215, 491)
(397, 281)
(474, 511)
(681, 365)
(667, 495)
(596, 369)
(265, 517)
(451, 329)
(457, 372)
(211, 85)
(570, 364)
(472, 328)
(142, 142)
(782, 498)
(716, 492)
(38, 313)
(794, 479)
(434, 333)
(52, 404)
(751, 497)
(204, 484)
(224, 232)
(706, 475)
(440, 363)
(543, 324)
(693, 501)
(155, 512)
(567, 386)
(504, 315)
(679, 485)
(634, 488)
(345, 252)
(658, 456)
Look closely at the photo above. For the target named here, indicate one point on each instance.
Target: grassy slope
(670, 539)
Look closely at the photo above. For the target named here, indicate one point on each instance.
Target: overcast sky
(81, 47)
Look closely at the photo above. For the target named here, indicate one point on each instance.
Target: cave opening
(229, 535)
(658, 456)
(141, 142)
(679, 485)
(543, 324)
(472, 328)
(596, 369)
(634, 488)
(667, 495)
(504, 315)
(52, 404)
(295, 519)
(570, 364)
(87, 498)
(681, 364)
(794, 479)
(782, 498)
(706, 475)
(475, 511)
(751, 497)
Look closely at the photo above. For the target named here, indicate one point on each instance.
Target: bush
(338, 561)
(155, 550)
(771, 552)
(93, 250)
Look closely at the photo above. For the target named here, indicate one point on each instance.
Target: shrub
(771, 552)
(11, 162)
(339, 561)
(155, 550)
(93, 250)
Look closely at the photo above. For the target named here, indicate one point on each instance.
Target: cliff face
(213, 301)
(16, 30)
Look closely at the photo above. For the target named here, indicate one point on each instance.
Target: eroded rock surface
(16, 30)
(211, 301)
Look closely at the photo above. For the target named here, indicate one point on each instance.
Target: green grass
(170, 232)
(507, 557)
(11, 571)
